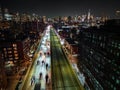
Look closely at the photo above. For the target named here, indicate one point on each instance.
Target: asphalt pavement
(63, 76)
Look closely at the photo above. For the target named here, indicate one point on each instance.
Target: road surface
(63, 77)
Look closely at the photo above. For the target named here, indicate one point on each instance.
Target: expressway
(63, 77)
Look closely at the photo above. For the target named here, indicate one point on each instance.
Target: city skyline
(63, 8)
(63, 52)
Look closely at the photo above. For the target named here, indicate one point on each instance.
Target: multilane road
(63, 77)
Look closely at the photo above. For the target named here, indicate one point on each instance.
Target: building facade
(3, 79)
(15, 53)
(99, 57)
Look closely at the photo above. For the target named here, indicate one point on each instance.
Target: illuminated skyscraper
(89, 15)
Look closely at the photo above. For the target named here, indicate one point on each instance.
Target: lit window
(16, 55)
(113, 77)
(112, 43)
(118, 72)
(15, 51)
(9, 48)
(9, 51)
(101, 44)
(100, 37)
(14, 45)
(15, 48)
(111, 86)
(109, 61)
(2, 35)
(111, 51)
(114, 88)
(118, 54)
(118, 46)
(4, 49)
(117, 81)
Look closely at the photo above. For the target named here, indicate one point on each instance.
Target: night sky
(53, 8)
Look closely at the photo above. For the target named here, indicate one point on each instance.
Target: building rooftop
(70, 41)
(12, 37)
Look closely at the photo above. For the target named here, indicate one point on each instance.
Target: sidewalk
(39, 67)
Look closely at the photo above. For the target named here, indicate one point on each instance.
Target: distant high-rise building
(117, 14)
(69, 19)
(7, 16)
(16, 17)
(44, 19)
(89, 15)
